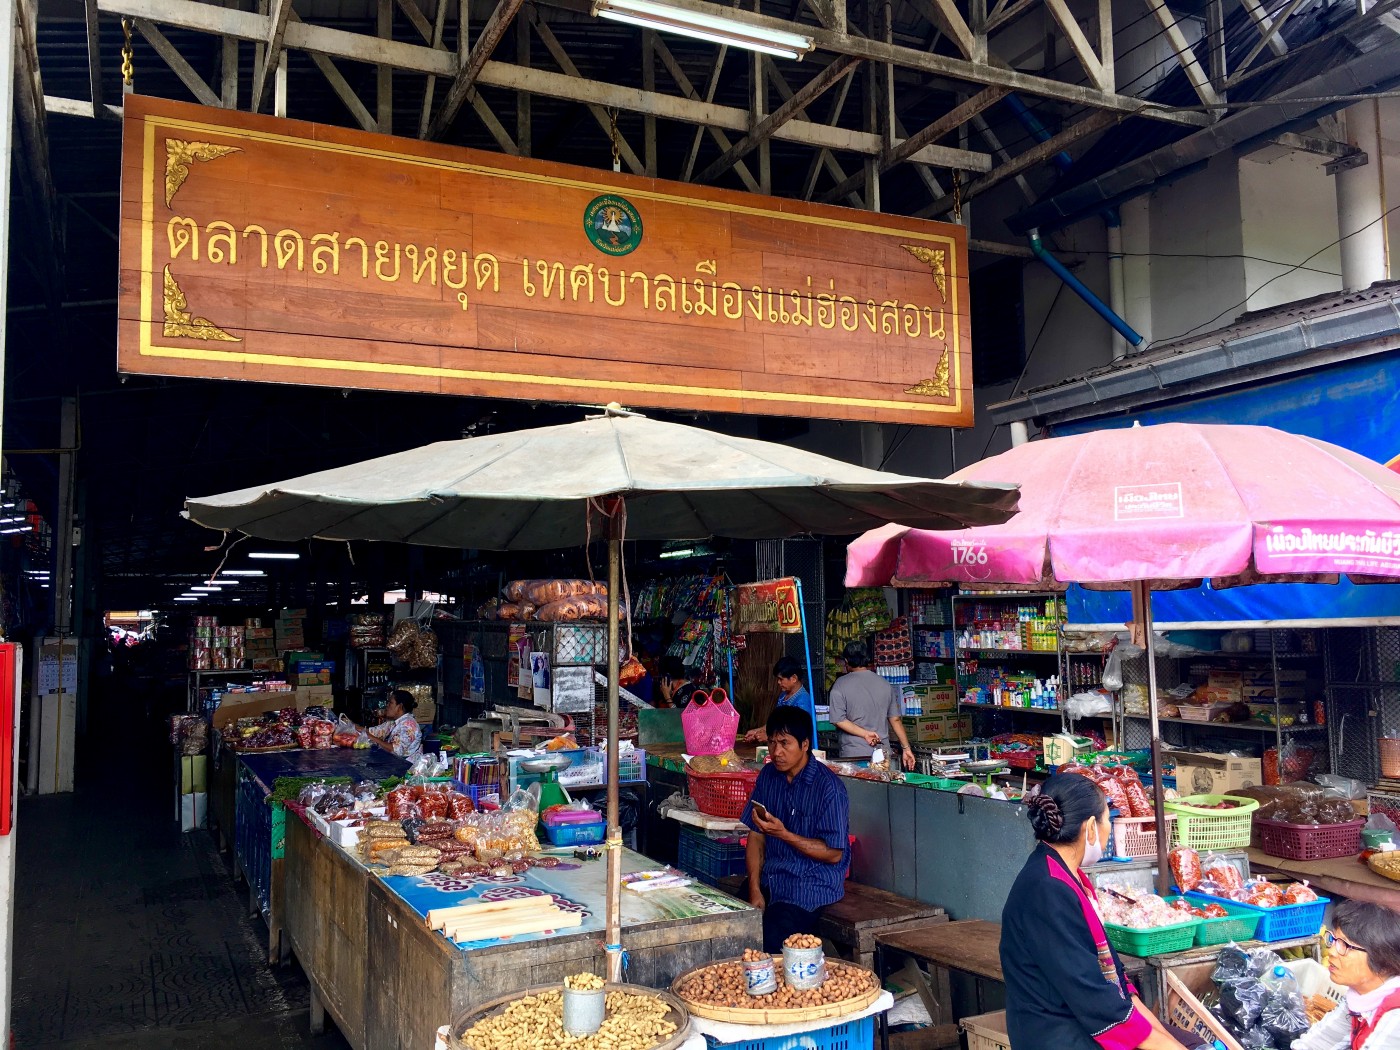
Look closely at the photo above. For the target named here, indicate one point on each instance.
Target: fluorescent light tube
(242, 572)
(187, 599)
(684, 552)
(275, 555)
(713, 28)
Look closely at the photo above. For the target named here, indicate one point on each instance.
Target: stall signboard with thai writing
(270, 250)
(767, 607)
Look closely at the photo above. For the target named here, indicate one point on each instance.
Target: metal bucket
(584, 1010)
(760, 978)
(804, 968)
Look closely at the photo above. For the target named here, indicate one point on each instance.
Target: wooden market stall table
(389, 982)
(1342, 877)
(258, 838)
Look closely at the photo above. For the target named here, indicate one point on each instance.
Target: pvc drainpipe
(1117, 289)
(1078, 287)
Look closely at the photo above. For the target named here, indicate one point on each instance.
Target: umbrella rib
(798, 527)
(535, 508)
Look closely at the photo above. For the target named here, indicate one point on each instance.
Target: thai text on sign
(264, 249)
(770, 607)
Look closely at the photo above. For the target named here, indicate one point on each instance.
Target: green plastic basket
(1208, 830)
(923, 780)
(1157, 941)
(1240, 925)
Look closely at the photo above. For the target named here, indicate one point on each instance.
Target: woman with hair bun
(1065, 987)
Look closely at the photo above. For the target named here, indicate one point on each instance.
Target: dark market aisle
(130, 935)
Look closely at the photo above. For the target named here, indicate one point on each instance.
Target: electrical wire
(1025, 367)
(1245, 302)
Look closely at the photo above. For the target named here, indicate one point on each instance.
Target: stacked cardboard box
(261, 646)
(291, 629)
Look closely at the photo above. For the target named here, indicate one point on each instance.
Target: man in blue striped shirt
(799, 845)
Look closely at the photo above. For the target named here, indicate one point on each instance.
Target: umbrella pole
(614, 840)
(1142, 613)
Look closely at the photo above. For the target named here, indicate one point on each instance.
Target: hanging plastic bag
(1113, 671)
(346, 732)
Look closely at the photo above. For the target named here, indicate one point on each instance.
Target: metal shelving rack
(1310, 650)
(1042, 663)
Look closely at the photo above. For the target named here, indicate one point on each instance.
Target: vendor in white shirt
(1364, 958)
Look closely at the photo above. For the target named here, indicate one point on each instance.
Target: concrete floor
(130, 935)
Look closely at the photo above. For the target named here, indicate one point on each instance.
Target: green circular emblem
(612, 225)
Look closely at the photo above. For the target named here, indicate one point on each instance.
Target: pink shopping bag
(710, 723)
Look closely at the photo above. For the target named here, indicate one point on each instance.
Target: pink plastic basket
(710, 723)
(1309, 841)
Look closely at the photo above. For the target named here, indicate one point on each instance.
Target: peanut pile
(583, 982)
(754, 955)
(802, 940)
(723, 984)
(632, 1022)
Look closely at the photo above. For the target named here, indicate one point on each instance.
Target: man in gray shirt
(866, 709)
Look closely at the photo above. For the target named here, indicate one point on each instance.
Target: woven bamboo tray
(737, 1015)
(678, 1015)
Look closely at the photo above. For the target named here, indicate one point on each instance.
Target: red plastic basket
(722, 794)
(1022, 759)
(1309, 841)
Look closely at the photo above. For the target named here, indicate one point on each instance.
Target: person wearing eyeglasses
(1364, 958)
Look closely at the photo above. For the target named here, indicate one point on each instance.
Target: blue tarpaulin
(1355, 405)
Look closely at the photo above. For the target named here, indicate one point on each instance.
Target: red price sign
(769, 606)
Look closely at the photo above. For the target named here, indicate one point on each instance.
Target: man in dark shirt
(799, 845)
(674, 682)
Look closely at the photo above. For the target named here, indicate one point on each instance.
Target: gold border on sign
(148, 348)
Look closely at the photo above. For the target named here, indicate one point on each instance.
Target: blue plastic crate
(853, 1035)
(1285, 922)
(708, 860)
(589, 834)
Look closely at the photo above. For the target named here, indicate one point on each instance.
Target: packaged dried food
(1261, 893)
(1218, 870)
(1299, 893)
(1186, 868)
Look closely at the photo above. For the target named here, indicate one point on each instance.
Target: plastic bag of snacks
(1218, 871)
(1186, 868)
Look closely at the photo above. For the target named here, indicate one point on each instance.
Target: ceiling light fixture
(187, 599)
(276, 555)
(206, 590)
(242, 572)
(715, 29)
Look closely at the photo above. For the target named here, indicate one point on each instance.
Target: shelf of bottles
(1007, 650)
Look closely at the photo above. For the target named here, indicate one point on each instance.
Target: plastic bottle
(1280, 981)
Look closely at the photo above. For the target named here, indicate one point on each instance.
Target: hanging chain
(128, 69)
(612, 133)
(957, 196)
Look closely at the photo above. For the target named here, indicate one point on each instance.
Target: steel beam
(1264, 24)
(1265, 35)
(1078, 43)
(342, 89)
(29, 111)
(338, 43)
(1184, 55)
(73, 107)
(94, 56)
(273, 39)
(909, 147)
(1023, 161)
(463, 82)
(803, 97)
(202, 92)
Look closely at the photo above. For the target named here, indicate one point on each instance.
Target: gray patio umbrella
(634, 477)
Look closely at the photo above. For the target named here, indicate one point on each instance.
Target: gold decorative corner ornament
(178, 322)
(938, 385)
(937, 261)
(179, 155)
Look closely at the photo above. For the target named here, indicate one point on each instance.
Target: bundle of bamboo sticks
(489, 919)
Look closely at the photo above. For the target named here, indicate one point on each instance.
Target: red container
(1022, 759)
(722, 794)
(1309, 841)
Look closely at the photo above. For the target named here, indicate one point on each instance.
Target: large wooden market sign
(263, 249)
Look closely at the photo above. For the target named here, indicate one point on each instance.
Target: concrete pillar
(1136, 246)
(1360, 203)
(1020, 432)
(1117, 291)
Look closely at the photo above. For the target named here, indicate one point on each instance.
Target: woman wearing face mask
(1065, 987)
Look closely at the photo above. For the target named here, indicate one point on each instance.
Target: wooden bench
(972, 947)
(851, 924)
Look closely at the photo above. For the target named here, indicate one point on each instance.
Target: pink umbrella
(1162, 507)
